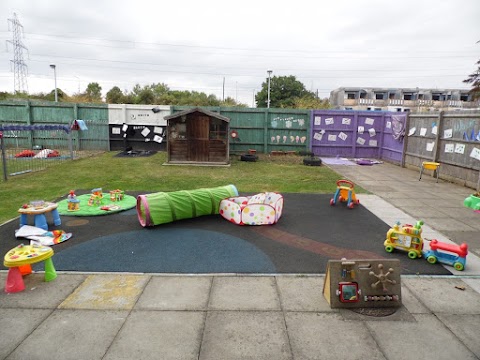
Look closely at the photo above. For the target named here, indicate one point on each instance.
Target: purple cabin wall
(355, 134)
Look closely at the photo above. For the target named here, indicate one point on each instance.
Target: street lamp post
(268, 93)
(53, 66)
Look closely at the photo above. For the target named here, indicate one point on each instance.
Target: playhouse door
(198, 144)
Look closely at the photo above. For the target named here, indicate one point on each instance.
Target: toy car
(458, 261)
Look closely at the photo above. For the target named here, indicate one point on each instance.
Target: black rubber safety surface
(309, 233)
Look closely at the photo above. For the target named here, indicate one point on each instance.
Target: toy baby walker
(345, 193)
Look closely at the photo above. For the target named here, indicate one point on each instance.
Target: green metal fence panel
(264, 130)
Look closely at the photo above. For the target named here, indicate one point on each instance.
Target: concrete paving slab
(424, 339)
(328, 336)
(443, 296)
(45, 295)
(465, 327)
(159, 335)
(302, 293)
(429, 212)
(474, 283)
(244, 293)
(384, 314)
(448, 224)
(393, 195)
(245, 335)
(74, 335)
(118, 292)
(16, 325)
(411, 303)
(175, 293)
(410, 202)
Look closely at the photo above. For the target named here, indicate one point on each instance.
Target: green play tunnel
(164, 207)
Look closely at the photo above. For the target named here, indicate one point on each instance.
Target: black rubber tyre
(249, 157)
(312, 161)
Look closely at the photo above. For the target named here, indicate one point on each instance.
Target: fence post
(29, 122)
(265, 132)
(437, 136)
(4, 158)
(405, 140)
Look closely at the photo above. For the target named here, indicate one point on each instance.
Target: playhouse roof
(197, 109)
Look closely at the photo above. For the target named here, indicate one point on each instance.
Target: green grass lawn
(283, 174)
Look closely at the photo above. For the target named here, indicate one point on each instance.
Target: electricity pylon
(20, 69)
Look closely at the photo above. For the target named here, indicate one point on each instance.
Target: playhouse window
(218, 129)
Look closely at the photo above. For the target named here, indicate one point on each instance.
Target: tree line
(285, 92)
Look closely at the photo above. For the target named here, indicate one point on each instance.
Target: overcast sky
(195, 45)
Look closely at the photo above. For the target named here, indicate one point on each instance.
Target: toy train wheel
(412, 255)
(458, 266)
(351, 205)
(332, 202)
(432, 259)
(389, 248)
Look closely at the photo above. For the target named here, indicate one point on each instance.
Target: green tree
(311, 102)
(51, 95)
(231, 102)
(115, 96)
(284, 90)
(93, 92)
(474, 80)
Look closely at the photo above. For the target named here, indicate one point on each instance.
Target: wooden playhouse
(197, 136)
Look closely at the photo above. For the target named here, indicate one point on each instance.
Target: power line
(20, 69)
(189, 46)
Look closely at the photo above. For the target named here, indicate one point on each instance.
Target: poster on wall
(449, 148)
(369, 121)
(346, 121)
(448, 133)
(430, 146)
(318, 120)
(475, 153)
(343, 136)
(360, 141)
(460, 148)
(329, 121)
